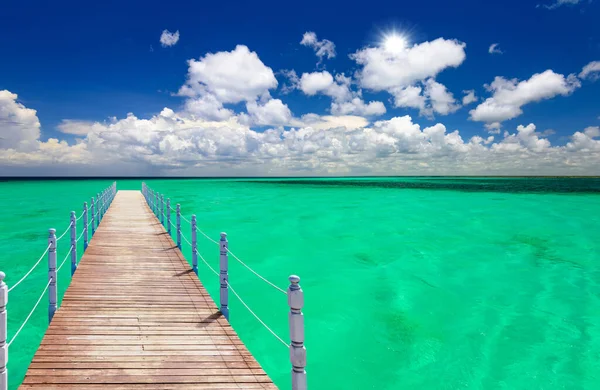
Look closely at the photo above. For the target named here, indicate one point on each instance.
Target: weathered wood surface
(136, 317)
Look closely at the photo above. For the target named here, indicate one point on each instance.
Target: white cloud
(526, 139)
(323, 48)
(592, 131)
(168, 39)
(312, 83)
(469, 97)
(494, 49)
(591, 71)
(231, 77)
(19, 125)
(273, 113)
(493, 128)
(442, 101)
(293, 78)
(509, 96)
(208, 107)
(357, 106)
(389, 70)
(432, 98)
(559, 3)
(177, 144)
(410, 96)
(345, 101)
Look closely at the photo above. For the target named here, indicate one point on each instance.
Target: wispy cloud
(494, 49)
(559, 3)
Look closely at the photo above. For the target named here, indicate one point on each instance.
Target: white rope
(242, 301)
(31, 270)
(65, 259)
(81, 216)
(185, 219)
(82, 231)
(62, 235)
(186, 240)
(205, 235)
(256, 273)
(208, 265)
(255, 316)
(30, 313)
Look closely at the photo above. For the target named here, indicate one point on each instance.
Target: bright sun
(394, 43)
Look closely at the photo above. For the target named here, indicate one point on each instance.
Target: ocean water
(418, 283)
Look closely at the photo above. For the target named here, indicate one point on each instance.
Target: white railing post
(157, 205)
(162, 209)
(85, 226)
(194, 246)
(169, 216)
(178, 226)
(93, 216)
(297, 349)
(52, 292)
(73, 242)
(223, 276)
(97, 209)
(3, 332)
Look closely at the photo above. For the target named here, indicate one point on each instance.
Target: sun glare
(394, 43)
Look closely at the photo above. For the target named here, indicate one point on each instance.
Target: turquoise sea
(410, 283)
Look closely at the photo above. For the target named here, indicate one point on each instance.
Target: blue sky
(90, 62)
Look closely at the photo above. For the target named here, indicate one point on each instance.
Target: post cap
(294, 279)
(2, 276)
(72, 213)
(52, 231)
(84, 204)
(223, 236)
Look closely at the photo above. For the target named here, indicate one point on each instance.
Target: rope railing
(29, 315)
(99, 205)
(186, 240)
(255, 316)
(294, 293)
(65, 259)
(65, 232)
(256, 273)
(244, 303)
(30, 270)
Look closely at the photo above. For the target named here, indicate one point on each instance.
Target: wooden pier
(136, 316)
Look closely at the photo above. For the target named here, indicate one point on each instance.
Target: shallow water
(420, 283)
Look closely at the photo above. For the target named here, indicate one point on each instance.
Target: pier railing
(162, 208)
(92, 215)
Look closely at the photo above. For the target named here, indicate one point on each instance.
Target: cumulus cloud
(272, 113)
(168, 39)
(19, 125)
(433, 97)
(509, 96)
(591, 71)
(345, 101)
(231, 77)
(357, 106)
(469, 97)
(494, 49)
(177, 144)
(386, 70)
(322, 48)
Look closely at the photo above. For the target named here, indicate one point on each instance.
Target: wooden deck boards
(136, 317)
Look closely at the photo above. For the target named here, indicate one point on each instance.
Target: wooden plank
(136, 317)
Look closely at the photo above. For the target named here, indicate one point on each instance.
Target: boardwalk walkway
(135, 316)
